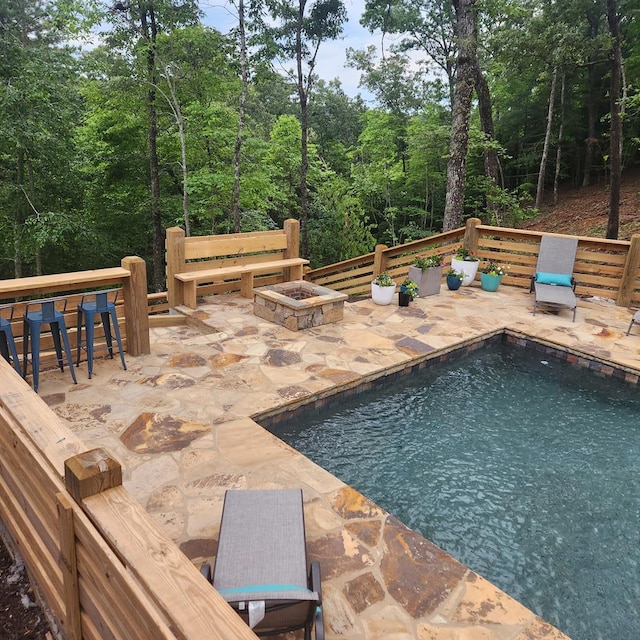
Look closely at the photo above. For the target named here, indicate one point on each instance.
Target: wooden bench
(215, 264)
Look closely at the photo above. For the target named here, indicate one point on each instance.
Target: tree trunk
(615, 147)
(235, 204)
(304, 124)
(547, 141)
(150, 31)
(490, 153)
(19, 217)
(556, 177)
(460, 113)
(593, 18)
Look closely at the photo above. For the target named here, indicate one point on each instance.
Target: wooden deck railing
(101, 563)
(132, 309)
(605, 268)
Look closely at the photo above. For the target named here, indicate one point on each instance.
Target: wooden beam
(630, 273)
(135, 306)
(69, 566)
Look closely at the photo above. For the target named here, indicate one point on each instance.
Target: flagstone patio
(180, 423)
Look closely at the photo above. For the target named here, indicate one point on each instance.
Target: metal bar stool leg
(8, 346)
(116, 330)
(90, 329)
(106, 325)
(67, 347)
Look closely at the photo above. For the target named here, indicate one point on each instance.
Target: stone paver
(179, 421)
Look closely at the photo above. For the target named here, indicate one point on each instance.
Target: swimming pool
(526, 469)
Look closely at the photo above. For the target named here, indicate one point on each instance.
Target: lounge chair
(261, 564)
(553, 280)
(634, 320)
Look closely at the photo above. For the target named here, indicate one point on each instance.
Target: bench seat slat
(209, 275)
(187, 282)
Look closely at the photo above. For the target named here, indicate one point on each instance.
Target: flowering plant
(455, 274)
(424, 262)
(462, 253)
(409, 287)
(384, 280)
(493, 269)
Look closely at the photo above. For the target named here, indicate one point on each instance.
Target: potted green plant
(383, 288)
(491, 276)
(408, 292)
(426, 271)
(465, 261)
(454, 279)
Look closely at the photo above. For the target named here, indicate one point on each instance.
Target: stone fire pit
(298, 304)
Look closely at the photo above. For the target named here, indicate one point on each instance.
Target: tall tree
(615, 140)
(466, 65)
(295, 32)
(137, 25)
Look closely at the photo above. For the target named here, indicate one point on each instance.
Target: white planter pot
(428, 280)
(467, 267)
(382, 295)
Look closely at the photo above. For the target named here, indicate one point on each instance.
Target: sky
(332, 54)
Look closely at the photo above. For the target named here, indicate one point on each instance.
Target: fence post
(174, 253)
(91, 472)
(136, 313)
(629, 273)
(471, 234)
(292, 250)
(69, 566)
(379, 260)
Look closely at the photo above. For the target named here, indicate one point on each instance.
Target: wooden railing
(101, 563)
(132, 309)
(605, 268)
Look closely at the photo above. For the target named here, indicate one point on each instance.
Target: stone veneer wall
(272, 420)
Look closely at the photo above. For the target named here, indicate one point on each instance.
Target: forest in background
(121, 119)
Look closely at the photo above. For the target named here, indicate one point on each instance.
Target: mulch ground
(20, 617)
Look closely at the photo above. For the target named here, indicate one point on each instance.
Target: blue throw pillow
(560, 279)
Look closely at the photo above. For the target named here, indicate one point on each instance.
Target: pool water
(527, 470)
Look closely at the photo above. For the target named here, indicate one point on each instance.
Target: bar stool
(36, 314)
(7, 342)
(92, 304)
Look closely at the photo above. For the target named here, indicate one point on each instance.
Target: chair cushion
(559, 279)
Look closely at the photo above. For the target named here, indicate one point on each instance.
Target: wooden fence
(101, 563)
(604, 268)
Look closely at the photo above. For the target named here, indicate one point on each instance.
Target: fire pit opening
(298, 304)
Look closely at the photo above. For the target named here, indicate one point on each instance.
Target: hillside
(584, 211)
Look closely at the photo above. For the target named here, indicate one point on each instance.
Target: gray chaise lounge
(553, 280)
(261, 564)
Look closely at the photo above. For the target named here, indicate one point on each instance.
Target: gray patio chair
(553, 280)
(261, 565)
(634, 320)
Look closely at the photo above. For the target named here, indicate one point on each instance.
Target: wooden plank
(195, 609)
(42, 567)
(233, 245)
(205, 265)
(52, 438)
(70, 281)
(73, 625)
(226, 272)
(115, 601)
(167, 320)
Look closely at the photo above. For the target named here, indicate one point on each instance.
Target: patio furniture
(553, 280)
(104, 304)
(7, 341)
(261, 565)
(634, 320)
(45, 312)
